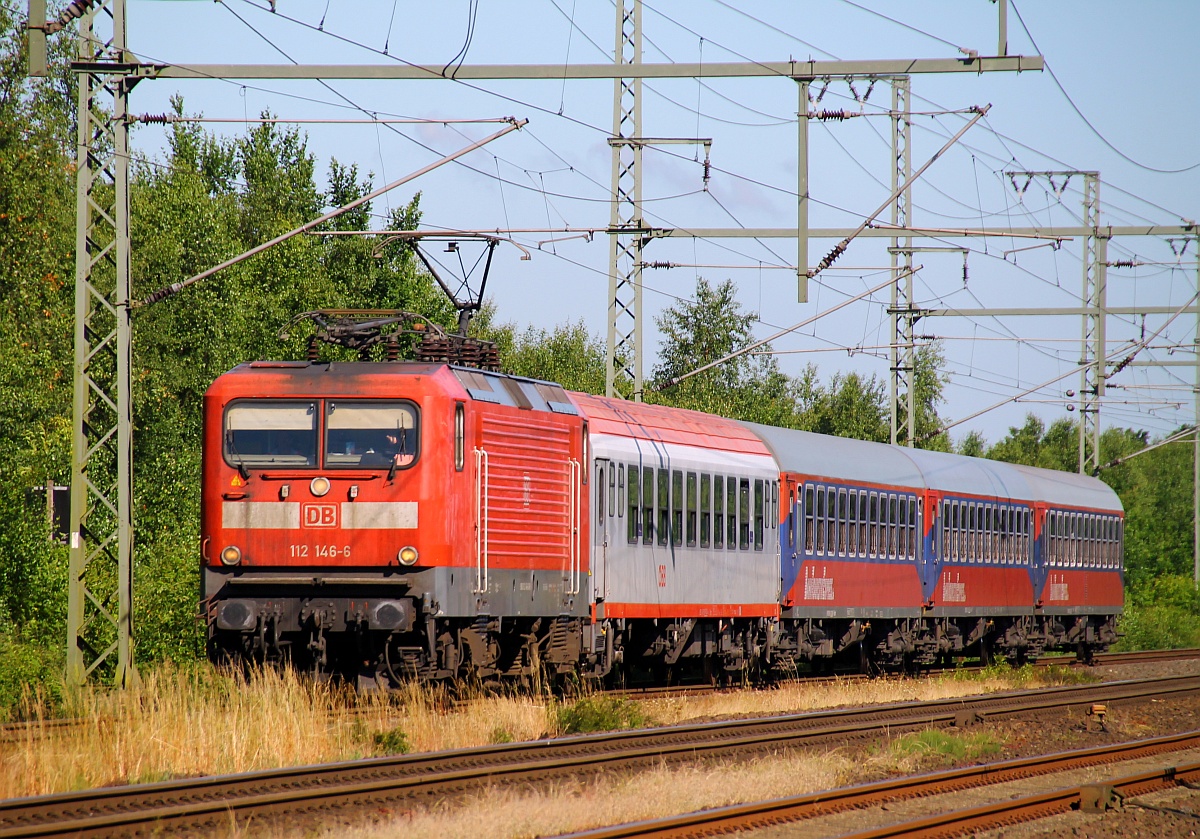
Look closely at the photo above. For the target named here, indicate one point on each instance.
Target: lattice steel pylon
(99, 601)
(901, 352)
(623, 357)
(1095, 301)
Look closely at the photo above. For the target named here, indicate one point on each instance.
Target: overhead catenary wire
(570, 196)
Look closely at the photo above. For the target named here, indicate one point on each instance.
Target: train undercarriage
(912, 643)
(386, 642)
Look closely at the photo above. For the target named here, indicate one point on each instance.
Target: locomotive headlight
(407, 555)
(231, 555)
(319, 486)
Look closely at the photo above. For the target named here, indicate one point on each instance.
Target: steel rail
(1053, 803)
(761, 814)
(215, 801)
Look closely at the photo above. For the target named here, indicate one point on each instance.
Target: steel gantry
(100, 572)
(623, 354)
(902, 352)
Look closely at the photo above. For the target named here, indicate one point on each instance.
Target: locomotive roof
(339, 378)
(372, 378)
(845, 459)
(669, 425)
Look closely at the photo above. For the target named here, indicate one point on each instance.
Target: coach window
(944, 529)
(960, 531)
(691, 509)
(873, 525)
(600, 494)
(774, 518)
(1051, 538)
(831, 545)
(664, 506)
(809, 518)
(819, 521)
(1085, 558)
(705, 509)
(982, 551)
(648, 505)
(731, 522)
(1069, 522)
(1067, 538)
(1010, 534)
(998, 537)
(836, 500)
(1085, 539)
(744, 515)
(902, 552)
(1094, 539)
(1110, 543)
(760, 508)
(718, 511)
(631, 522)
(676, 507)
(370, 435)
(912, 527)
(1106, 524)
(887, 530)
(852, 525)
(620, 490)
(612, 489)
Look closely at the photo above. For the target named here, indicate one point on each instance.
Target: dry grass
(181, 723)
(602, 800)
(797, 697)
(189, 722)
(595, 801)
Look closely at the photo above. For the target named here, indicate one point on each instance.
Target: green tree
(37, 212)
(697, 332)
(567, 354)
(848, 406)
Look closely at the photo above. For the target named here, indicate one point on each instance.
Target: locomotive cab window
(269, 433)
(371, 435)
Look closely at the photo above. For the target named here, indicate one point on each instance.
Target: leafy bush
(394, 742)
(600, 713)
(30, 675)
(1162, 613)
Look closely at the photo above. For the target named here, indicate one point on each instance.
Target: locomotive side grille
(528, 491)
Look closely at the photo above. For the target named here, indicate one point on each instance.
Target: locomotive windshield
(270, 433)
(370, 435)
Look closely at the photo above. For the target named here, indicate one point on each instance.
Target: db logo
(319, 515)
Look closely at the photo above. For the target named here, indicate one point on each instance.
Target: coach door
(603, 507)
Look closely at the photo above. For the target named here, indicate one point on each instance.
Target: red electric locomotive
(393, 520)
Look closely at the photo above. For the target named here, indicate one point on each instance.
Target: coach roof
(843, 459)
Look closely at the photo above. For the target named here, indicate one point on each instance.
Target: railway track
(205, 803)
(827, 802)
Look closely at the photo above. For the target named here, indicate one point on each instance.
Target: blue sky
(1128, 70)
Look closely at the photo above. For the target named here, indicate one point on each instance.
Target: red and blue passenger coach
(910, 555)
(392, 515)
